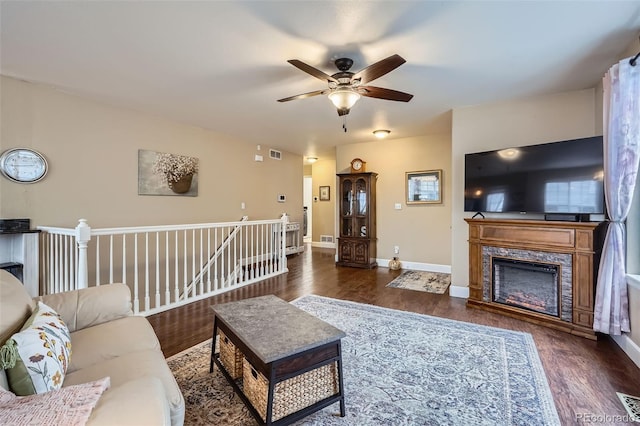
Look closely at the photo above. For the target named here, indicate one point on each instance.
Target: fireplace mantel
(582, 241)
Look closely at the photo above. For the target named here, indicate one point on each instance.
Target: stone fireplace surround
(575, 246)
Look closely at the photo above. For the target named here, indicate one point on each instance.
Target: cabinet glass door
(361, 202)
(347, 208)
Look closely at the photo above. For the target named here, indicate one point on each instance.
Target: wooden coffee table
(288, 352)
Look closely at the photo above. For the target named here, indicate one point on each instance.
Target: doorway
(307, 198)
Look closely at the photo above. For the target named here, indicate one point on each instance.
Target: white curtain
(621, 117)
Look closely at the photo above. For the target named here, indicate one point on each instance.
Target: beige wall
(423, 232)
(92, 151)
(324, 174)
(543, 119)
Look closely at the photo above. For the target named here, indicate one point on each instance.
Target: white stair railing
(165, 266)
(219, 251)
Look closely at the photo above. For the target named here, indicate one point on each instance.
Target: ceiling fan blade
(304, 95)
(381, 93)
(311, 70)
(379, 69)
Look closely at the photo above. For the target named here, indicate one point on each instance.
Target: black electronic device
(14, 225)
(560, 178)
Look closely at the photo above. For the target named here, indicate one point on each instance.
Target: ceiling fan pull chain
(344, 123)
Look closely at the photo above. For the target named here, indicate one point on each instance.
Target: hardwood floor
(584, 375)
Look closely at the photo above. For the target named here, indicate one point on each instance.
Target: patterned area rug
(432, 282)
(400, 368)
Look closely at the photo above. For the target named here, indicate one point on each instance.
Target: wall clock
(357, 165)
(23, 165)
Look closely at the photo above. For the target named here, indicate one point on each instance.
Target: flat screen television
(560, 177)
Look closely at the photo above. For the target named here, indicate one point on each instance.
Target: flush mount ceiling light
(381, 133)
(312, 159)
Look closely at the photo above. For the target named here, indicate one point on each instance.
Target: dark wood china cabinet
(357, 217)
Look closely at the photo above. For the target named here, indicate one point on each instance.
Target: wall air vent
(276, 155)
(326, 238)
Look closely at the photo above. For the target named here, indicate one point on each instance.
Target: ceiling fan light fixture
(344, 98)
(381, 133)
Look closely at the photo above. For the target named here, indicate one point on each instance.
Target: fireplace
(538, 271)
(533, 280)
(529, 285)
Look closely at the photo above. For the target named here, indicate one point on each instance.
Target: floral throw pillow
(37, 357)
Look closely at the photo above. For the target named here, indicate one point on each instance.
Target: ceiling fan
(345, 87)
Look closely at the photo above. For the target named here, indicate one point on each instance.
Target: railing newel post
(83, 236)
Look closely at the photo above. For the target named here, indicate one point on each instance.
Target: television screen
(558, 177)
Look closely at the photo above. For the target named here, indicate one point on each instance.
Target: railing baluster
(184, 292)
(167, 281)
(209, 263)
(98, 260)
(201, 263)
(157, 292)
(136, 299)
(193, 262)
(216, 284)
(65, 263)
(110, 259)
(124, 258)
(146, 271)
(176, 291)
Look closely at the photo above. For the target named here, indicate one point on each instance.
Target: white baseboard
(629, 347)
(418, 266)
(323, 245)
(457, 291)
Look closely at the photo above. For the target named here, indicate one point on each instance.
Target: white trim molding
(418, 266)
(458, 291)
(323, 245)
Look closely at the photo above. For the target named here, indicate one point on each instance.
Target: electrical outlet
(396, 249)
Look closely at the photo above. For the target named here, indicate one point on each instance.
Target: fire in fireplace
(529, 285)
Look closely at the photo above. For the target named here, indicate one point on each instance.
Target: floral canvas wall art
(161, 173)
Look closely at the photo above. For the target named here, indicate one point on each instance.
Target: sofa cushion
(70, 406)
(132, 366)
(91, 306)
(17, 305)
(40, 351)
(111, 339)
(138, 402)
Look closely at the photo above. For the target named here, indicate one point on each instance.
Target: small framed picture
(424, 187)
(325, 193)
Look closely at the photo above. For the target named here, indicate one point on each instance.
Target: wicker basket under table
(230, 356)
(290, 395)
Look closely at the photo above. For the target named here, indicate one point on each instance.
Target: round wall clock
(23, 165)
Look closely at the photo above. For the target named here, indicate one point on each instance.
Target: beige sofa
(107, 340)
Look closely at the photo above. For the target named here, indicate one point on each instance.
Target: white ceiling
(222, 65)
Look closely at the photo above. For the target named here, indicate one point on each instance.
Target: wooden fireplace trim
(583, 240)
